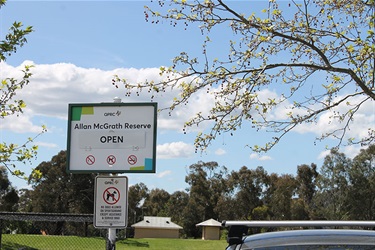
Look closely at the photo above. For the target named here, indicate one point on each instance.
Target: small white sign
(111, 202)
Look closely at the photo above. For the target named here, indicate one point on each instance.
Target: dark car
(321, 238)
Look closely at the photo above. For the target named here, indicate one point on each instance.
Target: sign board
(111, 202)
(112, 137)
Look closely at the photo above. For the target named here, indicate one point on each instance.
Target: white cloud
(220, 151)
(265, 158)
(258, 157)
(46, 144)
(175, 150)
(201, 102)
(327, 122)
(323, 154)
(20, 124)
(52, 87)
(164, 173)
(352, 150)
(349, 151)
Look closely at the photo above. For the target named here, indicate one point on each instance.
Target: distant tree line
(342, 189)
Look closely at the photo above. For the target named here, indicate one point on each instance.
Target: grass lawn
(34, 242)
(180, 244)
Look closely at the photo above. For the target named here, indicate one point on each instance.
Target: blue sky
(78, 46)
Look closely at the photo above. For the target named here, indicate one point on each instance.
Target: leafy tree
(261, 213)
(56, 191)
(280, 198)
(360, 198)
(306, 177)
(8, 195)
(177, 203)
(247, 186)
(226, 207)
(24, 203)
(306, 188)
(299, 210)
(193, 214)
(156, 202)
(11, 153)
(332, 186)
(206, 180)
(287, 46)
(206, 186)
(136, 197)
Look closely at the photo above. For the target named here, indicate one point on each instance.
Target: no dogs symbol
(111, 159)
(111, 195)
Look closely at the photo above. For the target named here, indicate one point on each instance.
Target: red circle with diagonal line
(111, 159)
(111, 195)
(132, 159)
(90, 159)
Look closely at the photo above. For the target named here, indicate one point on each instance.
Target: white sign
(111, 202)
(112, 137)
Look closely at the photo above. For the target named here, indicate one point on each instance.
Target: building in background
(156, 227)
(210, 229)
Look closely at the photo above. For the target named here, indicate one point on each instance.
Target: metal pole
(111, 240)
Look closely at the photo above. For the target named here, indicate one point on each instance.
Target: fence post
(85, 232)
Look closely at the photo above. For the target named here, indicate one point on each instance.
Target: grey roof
(156, 222)
(209, 223)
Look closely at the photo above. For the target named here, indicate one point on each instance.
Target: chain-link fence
(31, 231)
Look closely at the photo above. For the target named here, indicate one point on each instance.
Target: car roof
(310, 237)
(306, 237)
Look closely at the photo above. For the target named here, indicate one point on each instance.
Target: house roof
(209, 223)
(156, 222)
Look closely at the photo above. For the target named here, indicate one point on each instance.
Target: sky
(77, 48)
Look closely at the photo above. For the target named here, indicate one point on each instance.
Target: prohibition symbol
(111, 195)
(132, 159)
(90, 160)
(111, 159)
